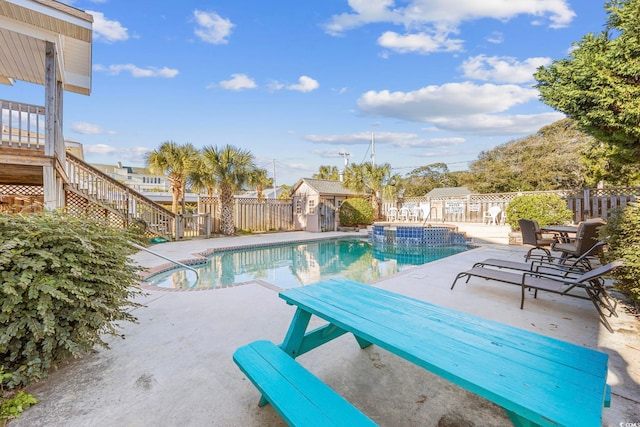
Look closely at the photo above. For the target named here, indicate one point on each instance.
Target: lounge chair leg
(456, 279)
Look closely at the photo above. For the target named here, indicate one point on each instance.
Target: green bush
(622, 233)
(355, 211)
(546, 209)
(12, 404)
(64, 282)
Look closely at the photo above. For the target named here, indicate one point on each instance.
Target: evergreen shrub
(64, 282)
(355, 211)
(622, 233)
(546, 209)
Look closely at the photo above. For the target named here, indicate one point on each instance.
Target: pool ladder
(178, 263)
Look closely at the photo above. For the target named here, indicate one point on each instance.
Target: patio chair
(392, 214)
(532, 236)
(403, 214)
(548, 265)
(415, 213)
(586, 238)
(491, 216)
(591, 282)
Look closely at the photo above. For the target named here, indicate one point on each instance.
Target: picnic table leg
(519, 421)
(362, 342)
(295, 335)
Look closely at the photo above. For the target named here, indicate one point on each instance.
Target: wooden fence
(251, 214)
(585, 204)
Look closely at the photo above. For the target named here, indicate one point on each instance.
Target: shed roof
(26, 26)
(449, 192)
(326, 186)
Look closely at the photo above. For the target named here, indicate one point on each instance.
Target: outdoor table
(562, 231)
(536, 379)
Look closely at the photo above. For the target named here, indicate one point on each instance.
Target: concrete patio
(175, 368)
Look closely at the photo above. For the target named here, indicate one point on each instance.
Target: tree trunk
(226, 212)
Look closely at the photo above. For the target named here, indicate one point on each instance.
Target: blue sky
(299, 82)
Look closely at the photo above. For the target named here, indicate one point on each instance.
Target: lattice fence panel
(21, 198)
(79, 206)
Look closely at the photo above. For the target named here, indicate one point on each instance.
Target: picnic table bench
(539, 381)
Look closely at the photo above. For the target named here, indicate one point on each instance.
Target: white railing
(23, 125)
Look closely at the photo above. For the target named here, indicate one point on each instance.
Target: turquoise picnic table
(539, 381)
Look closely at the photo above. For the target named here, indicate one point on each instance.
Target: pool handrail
(135, 245)
(429, 215)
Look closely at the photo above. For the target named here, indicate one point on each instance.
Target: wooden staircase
(93, 193)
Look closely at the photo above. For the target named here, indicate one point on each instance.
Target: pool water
(291, 265)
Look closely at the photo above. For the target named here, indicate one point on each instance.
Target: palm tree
(259, 180)
(370, 179)
(231, 168)
(201, 178)
(176, 162)
(327, 172)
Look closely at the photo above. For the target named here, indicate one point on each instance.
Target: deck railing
(23, 125)
(131, 205)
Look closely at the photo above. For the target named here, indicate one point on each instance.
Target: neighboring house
(448, 202)
(267, 193)
(315, 203)
(449, 192)
(140, 179)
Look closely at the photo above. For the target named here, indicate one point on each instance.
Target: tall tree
(176, 162)
(551, 159)
(367, 178)
(259, 180)
(201, 178)
(598, 85)
(231, 167)
(327, 172)
(425, 178)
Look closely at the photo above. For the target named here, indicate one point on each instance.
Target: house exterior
(48, 43)
(316, 203)
(140, 179)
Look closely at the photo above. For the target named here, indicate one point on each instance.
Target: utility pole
(274, 178)
(373, 150)
(346, 163)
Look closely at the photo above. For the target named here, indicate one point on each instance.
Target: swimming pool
(295, 264)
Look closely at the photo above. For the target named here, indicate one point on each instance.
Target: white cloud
(498, 124)
(496, 37)
(212, 28)
(305, 84)
(395, 139)
(85, 128)
(451, 99)
(136, 71)
(422, 43)
(102, 153)
(107, 30)
(238, 82)
(418, 13)
(502, 69)
(460, 107)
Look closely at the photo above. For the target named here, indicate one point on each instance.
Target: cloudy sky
(297, 83)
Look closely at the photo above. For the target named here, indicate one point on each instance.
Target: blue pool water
(296, 264)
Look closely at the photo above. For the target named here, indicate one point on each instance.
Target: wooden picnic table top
(533, 377)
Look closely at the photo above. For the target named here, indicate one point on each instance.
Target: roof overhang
(26, 26)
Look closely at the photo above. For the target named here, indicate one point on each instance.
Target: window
(299, 207)
(312, 207)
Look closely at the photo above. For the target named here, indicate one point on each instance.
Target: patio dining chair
(532, 236)
(586, 239)
(403, 214)
(392, 214)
